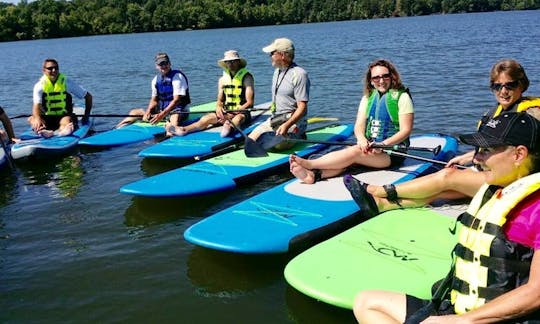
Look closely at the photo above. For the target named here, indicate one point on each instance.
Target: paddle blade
(269, 139)
(253, 149)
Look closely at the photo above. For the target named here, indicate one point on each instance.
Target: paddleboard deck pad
(202, 142)
(224, 172)
(139, 131)
(294, 216)
(403, 250)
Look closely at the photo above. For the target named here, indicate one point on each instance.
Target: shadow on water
(145, 211)
(304, 309)
(223, 274)
(8, 184)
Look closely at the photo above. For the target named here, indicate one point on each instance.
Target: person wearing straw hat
(290, 95)
(170, 96)
(236, 94)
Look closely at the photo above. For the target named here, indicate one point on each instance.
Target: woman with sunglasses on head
(495, 274)
(169, 99)
(508, 82)
(385, 116)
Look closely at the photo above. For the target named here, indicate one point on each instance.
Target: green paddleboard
(403, 250)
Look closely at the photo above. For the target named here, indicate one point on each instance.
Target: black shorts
(53, 122)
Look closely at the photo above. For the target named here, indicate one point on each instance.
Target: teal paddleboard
(224, 172)
(140, 131)
(299, 215)
(404, 250)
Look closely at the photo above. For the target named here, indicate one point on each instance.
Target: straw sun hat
(231, 55)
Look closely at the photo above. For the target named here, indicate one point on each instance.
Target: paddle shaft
(124, 115)
(434, 150)
(420, 158)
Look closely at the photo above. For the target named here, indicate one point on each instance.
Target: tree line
(63, 18)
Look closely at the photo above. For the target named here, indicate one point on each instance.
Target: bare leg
(375, 306)
(199, 125)
(448, 183)
(341, 159)
(130, 120)
(237, 120)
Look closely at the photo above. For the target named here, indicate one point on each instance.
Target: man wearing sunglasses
(52, 110)
(169, 99)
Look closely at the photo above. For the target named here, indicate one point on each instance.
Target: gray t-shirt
(289, 86)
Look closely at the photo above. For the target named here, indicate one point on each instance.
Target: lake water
(72, 249)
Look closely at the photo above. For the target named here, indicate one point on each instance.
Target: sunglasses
(50, 68)
(508, 85)
(378, 78)
(165, 63)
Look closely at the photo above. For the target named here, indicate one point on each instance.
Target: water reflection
(62, 175)
(8, 183)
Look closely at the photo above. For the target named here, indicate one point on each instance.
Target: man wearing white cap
(290, 94)
(235, 94)
(170, 96)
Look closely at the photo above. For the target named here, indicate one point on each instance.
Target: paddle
(8, 156)
(125, 115)
(269, 140)
(420, 158)
(251, 148)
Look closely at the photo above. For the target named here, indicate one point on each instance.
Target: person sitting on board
(7, 135)
(385, 116)
(52, 109)
(236, 92)
(290, 95)
(495, 273)
(508, 81)
(169, 99)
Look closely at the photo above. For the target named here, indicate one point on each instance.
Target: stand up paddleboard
(295, 215)
(203, 142)
(223, 172)
(32, 144)
(403, 250)
(140, 131)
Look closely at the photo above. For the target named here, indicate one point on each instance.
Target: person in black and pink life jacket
(170, 96)
(236, 93)
(495, 274)
(52, 109)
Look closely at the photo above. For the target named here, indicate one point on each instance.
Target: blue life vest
(165, 90)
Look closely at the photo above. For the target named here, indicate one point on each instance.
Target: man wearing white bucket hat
(235, 95)
(290, 95)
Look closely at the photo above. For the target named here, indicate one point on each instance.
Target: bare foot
(173, 130)
(226, 129)
(46, 133)
(305, 175)
(66, 130)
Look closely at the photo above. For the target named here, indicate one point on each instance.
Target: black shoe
(363, 199)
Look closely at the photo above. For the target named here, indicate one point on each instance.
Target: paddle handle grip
(435, 150)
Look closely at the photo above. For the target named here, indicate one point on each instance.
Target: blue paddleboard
(295, 215)
(139, 131)
(222, 173)
(202, 142)
(32, 144)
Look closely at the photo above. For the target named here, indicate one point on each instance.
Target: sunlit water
(73, 249)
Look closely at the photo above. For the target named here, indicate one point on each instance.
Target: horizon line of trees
(43, 19)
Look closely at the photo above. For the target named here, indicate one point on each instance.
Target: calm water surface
(72, 249)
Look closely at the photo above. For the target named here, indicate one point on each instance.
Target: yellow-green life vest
(522, 105)
(233, 89)
(56, 100)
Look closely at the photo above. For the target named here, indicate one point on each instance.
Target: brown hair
(513, 69)
(395, 77)
(50, 60)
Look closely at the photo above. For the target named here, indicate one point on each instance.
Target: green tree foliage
(64, 18)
